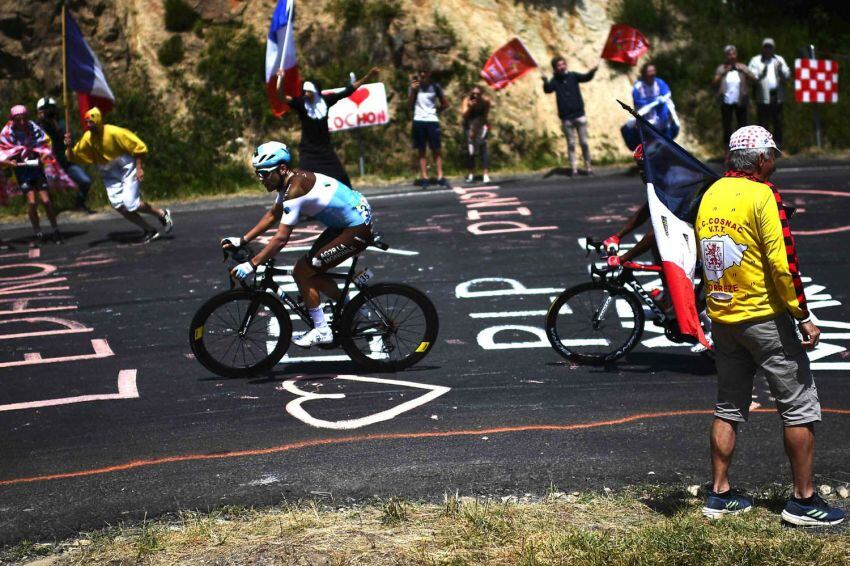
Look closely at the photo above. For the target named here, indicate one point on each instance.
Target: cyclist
(612, 242)
(647, 243)
(301, 193)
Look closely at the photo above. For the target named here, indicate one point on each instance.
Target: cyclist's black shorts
(335, 245)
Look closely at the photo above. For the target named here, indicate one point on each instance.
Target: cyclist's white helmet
(270, 155)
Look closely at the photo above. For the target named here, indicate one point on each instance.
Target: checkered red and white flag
(816, 80)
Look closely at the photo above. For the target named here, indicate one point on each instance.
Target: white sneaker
(377, 349)
(167, 223)
(470, 178)
(486, 179)
(314, 337)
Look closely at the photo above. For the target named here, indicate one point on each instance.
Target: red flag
(507, 64)
(625, 44)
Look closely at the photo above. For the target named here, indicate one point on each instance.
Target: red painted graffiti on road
(28, 306)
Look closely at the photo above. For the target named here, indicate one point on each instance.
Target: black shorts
(426, 133)
(30, 178)
(335, 245)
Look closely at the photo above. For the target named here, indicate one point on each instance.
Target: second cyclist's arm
(641, 247)
(639, 217)
(274, 246)
(269, 219)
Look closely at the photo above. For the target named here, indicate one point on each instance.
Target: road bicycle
(603, 320)
(244, 332)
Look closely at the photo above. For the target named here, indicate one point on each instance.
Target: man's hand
(67, 139)
(232, 242)
(140, 173)
(243, 270)
(811, 334)
(612, 243)
(614, 261)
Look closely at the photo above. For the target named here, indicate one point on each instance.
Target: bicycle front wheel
(240, 333)
(388, 327)
(594, 323)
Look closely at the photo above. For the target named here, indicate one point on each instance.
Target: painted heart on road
(359, 95)
(295, 408)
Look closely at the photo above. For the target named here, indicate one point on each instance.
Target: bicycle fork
(600, 314)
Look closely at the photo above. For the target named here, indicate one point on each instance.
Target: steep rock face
(128, 32)
(31, 40)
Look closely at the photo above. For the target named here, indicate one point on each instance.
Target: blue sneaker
(731, 502)
(816, 513)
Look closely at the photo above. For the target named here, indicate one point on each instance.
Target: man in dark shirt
(317, 153)
(571, 108)
(49, 121)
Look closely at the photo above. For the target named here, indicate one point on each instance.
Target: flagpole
(65, 74)
(291, 6)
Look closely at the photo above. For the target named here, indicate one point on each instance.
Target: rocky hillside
(454, 36)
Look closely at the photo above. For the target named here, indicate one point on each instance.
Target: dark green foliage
(653, 18)
(179, 16)
(171, 51)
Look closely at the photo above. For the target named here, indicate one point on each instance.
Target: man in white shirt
(771, 72)
(733, 80)
(427, 99)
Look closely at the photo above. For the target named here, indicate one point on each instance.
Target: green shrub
(651, 17)
(171, 51)
(179, 16)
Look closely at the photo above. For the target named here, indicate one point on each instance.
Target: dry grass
(648, 526)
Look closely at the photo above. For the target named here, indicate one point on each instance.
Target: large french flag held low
(676, 181)
(85, 75)
(280, 56)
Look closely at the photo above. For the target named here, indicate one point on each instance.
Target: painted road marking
(506, 314)
(295, 409)
(385, 437)
(100, 346)
(126, 390)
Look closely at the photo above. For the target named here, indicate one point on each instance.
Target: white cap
(751, 137)
(308, 87)
(45, 101)
(768, 41)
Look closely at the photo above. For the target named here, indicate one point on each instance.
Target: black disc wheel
(388, 327)
(594, 323)
(240, 333)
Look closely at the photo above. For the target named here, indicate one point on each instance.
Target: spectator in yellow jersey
(755, 300)
(118, 154)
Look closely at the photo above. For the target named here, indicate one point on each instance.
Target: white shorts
(122, 187)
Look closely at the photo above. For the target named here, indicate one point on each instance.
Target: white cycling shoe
(314, 337)
(377, 348)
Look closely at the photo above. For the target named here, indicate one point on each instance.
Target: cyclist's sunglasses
(263, 173)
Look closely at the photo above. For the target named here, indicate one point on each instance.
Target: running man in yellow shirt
(118, 154)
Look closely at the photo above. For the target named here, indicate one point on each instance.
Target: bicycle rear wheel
(388, 327)
(240, 333)
(594, 323)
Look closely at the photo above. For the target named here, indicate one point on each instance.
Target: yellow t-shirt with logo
(748, 257)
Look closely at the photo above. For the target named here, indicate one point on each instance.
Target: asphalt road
(106, 416)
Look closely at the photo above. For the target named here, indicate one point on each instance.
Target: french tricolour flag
(676, 181)
(85, 75)
(280, 54)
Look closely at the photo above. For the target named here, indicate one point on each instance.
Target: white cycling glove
(235, 241)
(244, 270)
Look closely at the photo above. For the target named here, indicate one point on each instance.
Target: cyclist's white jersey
(330, 202)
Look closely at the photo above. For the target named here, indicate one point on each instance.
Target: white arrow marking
(295, 409)
(126, 390)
